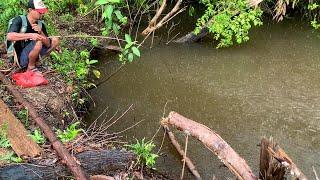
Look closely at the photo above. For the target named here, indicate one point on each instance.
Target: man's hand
(36, 37)
(36, 28)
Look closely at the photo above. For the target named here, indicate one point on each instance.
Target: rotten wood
(188, 161)
(94, 162)
(192, 37)
(270, 168)
(56, 144)
(20, 142)
(213, 142)
(280, 155)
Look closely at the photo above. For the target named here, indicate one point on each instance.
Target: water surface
(269, 86)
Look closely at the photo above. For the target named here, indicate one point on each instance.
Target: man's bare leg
(34, 55)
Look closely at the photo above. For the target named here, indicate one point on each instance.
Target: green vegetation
(70, 133)
(4, 141)
(23, 115)
(112, 15)
(37, 137)
(143, 150)
(73, 65)
(10, 157)
(130, 50)
(229, 20)
(9, 9)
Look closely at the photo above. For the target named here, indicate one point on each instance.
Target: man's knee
(38, 46)
(55, 42)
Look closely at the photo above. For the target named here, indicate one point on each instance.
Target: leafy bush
(144, 152)
(70, 133)
(112, 15)
(63, 6)
(229, 20)
(130, 51)
(10, 9)
(11, 157)
(37, 137)
(23, 115)
(73, 65)
(4, 141)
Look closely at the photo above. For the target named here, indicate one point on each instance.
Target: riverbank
(62, 103)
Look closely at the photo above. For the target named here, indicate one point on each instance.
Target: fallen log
(20, 142)
(56, 144)
(188, 161)
(192, 37)
(213, 142)
(274, 162)
(94, 162)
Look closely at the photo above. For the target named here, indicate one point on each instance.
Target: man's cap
(37, 5)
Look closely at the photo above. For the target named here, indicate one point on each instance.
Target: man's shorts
(24, 57)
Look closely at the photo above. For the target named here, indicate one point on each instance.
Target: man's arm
(45, 40)
(14, 36)
(14, 29)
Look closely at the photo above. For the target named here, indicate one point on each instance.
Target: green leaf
(92, 62)
(97, 73)
(130, 57)
(118, 14)
(114, 1)
(108, 11)
(128, 38)
(135, 51)
(101, 2)
(116, 28)
(127, 46)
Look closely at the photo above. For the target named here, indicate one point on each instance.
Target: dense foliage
(9, 9)
(229, 20)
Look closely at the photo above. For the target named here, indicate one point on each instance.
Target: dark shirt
(16, 26)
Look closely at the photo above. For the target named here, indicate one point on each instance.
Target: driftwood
(188, 161)
(192, 37)
(213, 142)
(274, 162)
(57, 145)
(20, 142)
(94, 162)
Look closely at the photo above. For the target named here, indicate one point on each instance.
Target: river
(269, 86)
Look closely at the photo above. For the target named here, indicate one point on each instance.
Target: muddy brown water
(269, 86)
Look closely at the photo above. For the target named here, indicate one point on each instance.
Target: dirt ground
(53, 101)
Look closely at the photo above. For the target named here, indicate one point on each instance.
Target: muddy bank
(54, 104)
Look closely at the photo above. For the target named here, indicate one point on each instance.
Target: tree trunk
(21, 143)
(94, 162)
